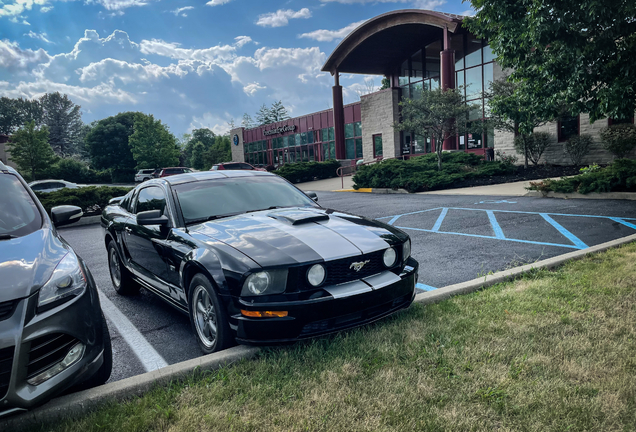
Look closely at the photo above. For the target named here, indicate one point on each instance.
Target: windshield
(229, 196)
(19, 215)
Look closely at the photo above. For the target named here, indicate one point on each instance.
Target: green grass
(552, 351)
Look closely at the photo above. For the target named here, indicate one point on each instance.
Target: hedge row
(420, 173)
(308, 171)
(91, 199)
(620, 176)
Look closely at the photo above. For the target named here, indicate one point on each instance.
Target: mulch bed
(538, 172)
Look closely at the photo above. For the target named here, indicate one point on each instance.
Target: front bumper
(78, 319)
(317, 317)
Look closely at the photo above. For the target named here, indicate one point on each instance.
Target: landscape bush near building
(619, 139)
(91, 199)
(308, 171)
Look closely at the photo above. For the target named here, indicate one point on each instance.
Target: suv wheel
(208, 317)
(119, 275)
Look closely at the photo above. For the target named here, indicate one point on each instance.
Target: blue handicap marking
(575, 242)
(424, 287)
(496, 202)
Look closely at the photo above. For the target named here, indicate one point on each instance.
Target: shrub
(618, 177)
(619, 139)
(91, 199)
(421, 173)
(308, 171)
(577, 147)
(76, 171)
(536, 144)
(506, 159)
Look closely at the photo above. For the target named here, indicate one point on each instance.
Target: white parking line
(147, 355)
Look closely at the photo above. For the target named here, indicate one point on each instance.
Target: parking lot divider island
(91, 199)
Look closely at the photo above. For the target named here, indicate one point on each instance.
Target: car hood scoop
(298, 216)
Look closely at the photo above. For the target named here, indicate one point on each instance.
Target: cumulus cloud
(118, 5)
(242, 40)
(181, 11)
(281, 17)
(252, 88)
(45, 9)
(217, 2)
(16, 7)
(330, 35)
(14, 58)
(174, 51)
(102, 93)
(39, 36)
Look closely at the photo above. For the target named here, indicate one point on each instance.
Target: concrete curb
(84, 401)
(81, 402)
(483, 282)
(86, 220)
(375, 190)
(606, 195)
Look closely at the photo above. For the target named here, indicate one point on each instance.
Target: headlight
(316, 274)
(265, 282)
(406, 249)
(390, 256)
(68, 280)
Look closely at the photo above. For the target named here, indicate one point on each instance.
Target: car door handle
(128, 230)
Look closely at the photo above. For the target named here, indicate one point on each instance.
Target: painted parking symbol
(571, 241)
(496, 202)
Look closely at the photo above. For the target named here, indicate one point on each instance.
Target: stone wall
(238, 152)
(379, 111)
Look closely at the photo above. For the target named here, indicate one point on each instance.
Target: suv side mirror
(312, 195)
(65, 214)
(152, 217)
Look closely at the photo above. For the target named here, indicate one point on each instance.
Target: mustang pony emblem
(357, 266)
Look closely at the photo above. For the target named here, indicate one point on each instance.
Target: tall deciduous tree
(152, 144)
(107, 143)
(64, 121)
(438, 114)
(16, 113)
(577, 53)
(30, 149)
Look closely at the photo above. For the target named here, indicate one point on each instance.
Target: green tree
(438, 114)
(197, 160)
(64, 121)
(30, 149)
(152, 144)
(263, 115)
(278, 112)
(107, 143)
(247, 121)
(221, 151)
(577, 53)
(510, 110)
(386, 83)
(16, 113)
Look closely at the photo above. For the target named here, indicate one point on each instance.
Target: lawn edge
(82, 402)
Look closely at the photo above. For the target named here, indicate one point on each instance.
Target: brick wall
(379, 111)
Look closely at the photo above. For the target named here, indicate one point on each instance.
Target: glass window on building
(417, 66)
(490, 137)
(357, 129)
(488, 76)
(325, 151)
(488, 54)
(459, 79)
(434, 83)
(297, 139)
(473, 51)
(303, 138)
(311, 153)
(432, 63)
(473, 83)
(324, 135)
(418, 144)
(350, 148)
(358, 148)
(310, 137)
(305, 152)
(349, 130)
(457, 44)
(476, 111)
(331, 134)
(568, 127)
(404, 73)
(428, 145)
(377, 145)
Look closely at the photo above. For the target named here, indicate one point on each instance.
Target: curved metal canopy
(382, 42)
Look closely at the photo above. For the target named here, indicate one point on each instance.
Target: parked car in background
(53, 334)
(251, 258)
(52, 185)
(235, 166)
(165, 172)
(143, 175)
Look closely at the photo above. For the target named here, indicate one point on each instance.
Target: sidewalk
(327, 185)
(504, 189)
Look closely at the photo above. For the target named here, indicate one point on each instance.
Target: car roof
(207, 175)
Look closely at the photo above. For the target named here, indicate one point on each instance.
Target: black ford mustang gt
(250, 257)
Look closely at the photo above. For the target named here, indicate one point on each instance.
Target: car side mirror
(312, 195)
(65, 214)
(152, 217)
(115, 200)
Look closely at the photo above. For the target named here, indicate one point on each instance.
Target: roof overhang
(376, 46)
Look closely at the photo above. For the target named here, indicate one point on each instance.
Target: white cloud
(118, 5)
(330, 35)
(101, 93)
(14, 58)
(469, 12)
(217, 2)
(174, 51)
(39, 36)
(252, 88)
(281, 17)
(18, 6)
(181, 11)
(242, 40)
(215, 122)
(45, 9)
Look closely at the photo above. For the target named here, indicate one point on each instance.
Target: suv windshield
(19, 215)
(224, 197)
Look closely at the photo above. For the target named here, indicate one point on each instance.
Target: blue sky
(189, 63)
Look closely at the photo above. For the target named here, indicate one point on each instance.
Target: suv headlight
(68, 280)
(265, 282)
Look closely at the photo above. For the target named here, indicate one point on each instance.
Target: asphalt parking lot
(455, 238)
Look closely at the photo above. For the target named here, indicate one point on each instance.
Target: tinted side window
(19, 215)
(231, 166)
(151, 198)
(246, 166)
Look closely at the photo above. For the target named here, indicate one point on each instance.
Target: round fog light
(257, 283)
(389, 257)
(316, 274)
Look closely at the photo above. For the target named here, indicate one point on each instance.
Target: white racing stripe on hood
(367, 241)
(327, 243)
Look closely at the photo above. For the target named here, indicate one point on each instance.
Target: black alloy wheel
(208, 317)
(119, 275)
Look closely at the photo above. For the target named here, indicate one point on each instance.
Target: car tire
(207, 316)
(103, 373)
(119, 275)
